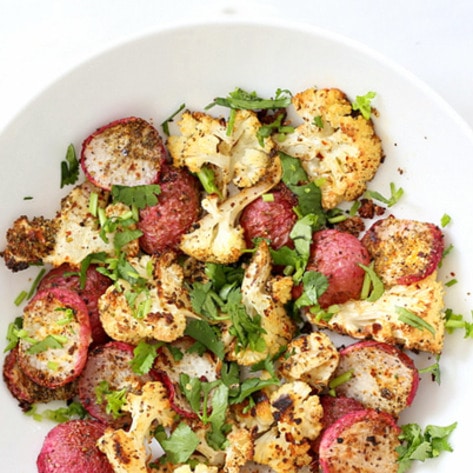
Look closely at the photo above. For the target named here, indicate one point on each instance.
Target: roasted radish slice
(335, 407)
(71, 447)
(404, 251)
(379, 375)
(94, 286)
(363, 441)
(105, 381)
(191, 364)
(338, 256)
(25, 390)
(56, 336)
(126, 152)
(177, 209)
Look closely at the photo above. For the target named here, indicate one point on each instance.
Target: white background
(40, 40)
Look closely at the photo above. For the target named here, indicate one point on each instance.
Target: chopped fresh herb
(413, 320)
(318, 121)
(14, 333)
(20, 298)
(363, 104)
(396, 194)
(48, 343)
(74, 410)
(276, 126)
(93, 203)
(422, 445)
(457, 322)
(69, 167)
(36, 282)
(180, 445)
(165, 124)
(240, 99)
(209, 400)
(434, 369)
(208, 335)
(206, 176)
(144, 355)
(445, 220)
(139, 196)
(451, 283)
(338, 381)
(314, 284)
(373, 287)
(115, 399)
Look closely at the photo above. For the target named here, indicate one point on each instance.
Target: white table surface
(41, 40)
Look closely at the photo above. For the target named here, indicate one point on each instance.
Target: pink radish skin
(95, 285)
(127, 152)
(383, 376)
(61, 313)
(362, 441)
(338, 255)
(71, 447)
(109, 363)
(404, 251)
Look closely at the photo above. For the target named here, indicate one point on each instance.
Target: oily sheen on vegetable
(194, 283)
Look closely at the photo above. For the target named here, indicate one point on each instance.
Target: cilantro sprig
(422, 444)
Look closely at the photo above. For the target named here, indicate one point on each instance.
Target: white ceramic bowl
(429, 152)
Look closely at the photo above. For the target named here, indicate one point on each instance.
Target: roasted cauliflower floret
(394, 318)
(130, 450)
(338, 148)
(275, 450)
(277, 326)
(240, 450)
(218, 237)
(311, 358)
(238, 156)
(297, 411)
(297, 415)
(157, 309)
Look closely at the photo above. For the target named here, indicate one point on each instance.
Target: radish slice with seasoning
(109, 372)
(57, 331)
(381, 377)
(362, 440)
(404, 251)
(126, 152)
(71, 446)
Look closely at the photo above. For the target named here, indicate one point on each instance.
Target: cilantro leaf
(314, 284)
(139, 196)
(144, 355)
(206, 334)
(181, 444)
(363, 104)
(422, 445)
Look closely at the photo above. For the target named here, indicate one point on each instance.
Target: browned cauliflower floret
(277, 326)
(69, 237)
(297, 411)
(384, 320)
(275, 450)
(312, 358)
(237, 156)
(218, 237)
(239, 451)
(338, 149)
(156, 310)
(129, 451)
